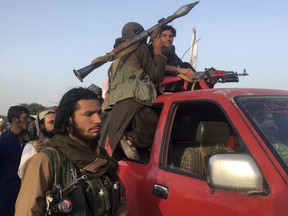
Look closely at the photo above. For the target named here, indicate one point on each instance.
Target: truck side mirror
(234, 172)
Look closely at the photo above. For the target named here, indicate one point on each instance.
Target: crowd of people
(62, 146)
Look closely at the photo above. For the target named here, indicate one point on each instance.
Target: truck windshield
(269, 115)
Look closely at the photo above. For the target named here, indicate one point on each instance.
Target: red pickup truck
(215, 152)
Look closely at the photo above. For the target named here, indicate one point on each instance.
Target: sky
(41, 42)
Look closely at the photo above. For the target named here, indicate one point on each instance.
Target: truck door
(194, 132)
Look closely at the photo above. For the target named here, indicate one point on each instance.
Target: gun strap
(116, 56)
(126, 51)
(185, 78)
(55, 154)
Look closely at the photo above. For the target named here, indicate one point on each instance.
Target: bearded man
(44, 127)
(11, 148)
(71, 154)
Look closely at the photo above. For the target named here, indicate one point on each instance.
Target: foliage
(34, 108)
(4, 117)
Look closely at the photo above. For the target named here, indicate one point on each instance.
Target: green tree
(4, 118)
(34, 108)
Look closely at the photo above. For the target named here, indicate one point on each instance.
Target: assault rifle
(203, 80)
(211, 76)
(56, 200)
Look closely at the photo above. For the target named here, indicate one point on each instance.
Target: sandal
(129, 148)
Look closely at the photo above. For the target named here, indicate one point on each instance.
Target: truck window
(269, 115)
(197, 131)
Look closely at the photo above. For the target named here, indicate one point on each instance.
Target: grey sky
(41, 42)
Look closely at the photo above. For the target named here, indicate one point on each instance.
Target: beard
(78, 133)
(48, 134)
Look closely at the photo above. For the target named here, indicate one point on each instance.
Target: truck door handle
(160, 191)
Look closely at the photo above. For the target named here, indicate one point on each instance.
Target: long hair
(68, 105)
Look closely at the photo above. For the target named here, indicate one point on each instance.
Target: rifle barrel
(74, 185)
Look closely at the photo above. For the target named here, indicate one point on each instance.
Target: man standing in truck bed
(132, 91)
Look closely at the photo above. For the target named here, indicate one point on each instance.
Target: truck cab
(215, 152)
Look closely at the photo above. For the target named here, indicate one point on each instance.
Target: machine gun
(56, 199)
(211, 76)
(203, 80)
(115, 53)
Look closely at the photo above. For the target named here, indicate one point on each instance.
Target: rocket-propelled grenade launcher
(83, 72)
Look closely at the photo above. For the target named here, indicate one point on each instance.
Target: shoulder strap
(53, 156)
(126, 51)
(116, 56)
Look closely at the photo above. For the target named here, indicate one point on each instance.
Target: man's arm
(185, 71)
(155, 65)
(27, 153)
(36, 181)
